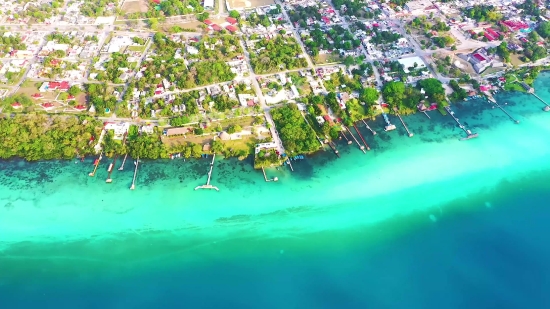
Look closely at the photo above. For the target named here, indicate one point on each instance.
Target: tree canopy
(297, 136)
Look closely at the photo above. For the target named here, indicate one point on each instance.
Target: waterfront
(59, 224)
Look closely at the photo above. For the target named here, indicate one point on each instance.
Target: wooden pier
(547, 107)
(265, 177)
(469, 134)
(361, 136)
(123, 161)
(112, 165)
(367, 126)
(403, 122)
(136, 163)
(96, 163)
(344, 135)
(360, 146)
(208, 185)
(427, 115)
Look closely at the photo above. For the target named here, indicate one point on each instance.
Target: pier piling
(333, 146)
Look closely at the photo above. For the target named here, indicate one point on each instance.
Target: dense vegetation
(483, 13)
(282, 53)
(401, 96)
(95, 8)
(36, 137)
(179, 7)
(199, 73)
(336, 37)
(297, 136)
(113, 68)
(9, 43)
(543, 29)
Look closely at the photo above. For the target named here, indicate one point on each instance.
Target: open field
(326, 58)
(135, 6)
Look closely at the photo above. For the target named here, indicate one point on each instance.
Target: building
(479, 61)
(119, 128)
(53, 86)
(177, 131)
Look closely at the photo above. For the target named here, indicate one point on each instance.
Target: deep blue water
(492, 258)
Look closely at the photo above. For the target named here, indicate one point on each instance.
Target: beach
(356, 228)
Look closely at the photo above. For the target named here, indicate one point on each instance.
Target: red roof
(250, 102)
(231, 20)
(325, 19)
(216, 27)
(231, 28)
(488, 36)
(16, 104)
(47, 105)
(36, 95)
(479, 57)
(58, 85)
(485, 87)
(80, 107)
(156, 1)
(208, 22)
(71, 97)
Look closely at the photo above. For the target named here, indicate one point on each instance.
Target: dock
(360, 146)
(333, 147)
(96, 163)
(208, 185)
(403, 122)
(389, 126)
(361, 136)
(469, 134)
(265, 177)
(123, 161)
(136, 163)
(492, 100)
(112, 165)
(427, 115)
(289, 164)
(547, 107)
(367, 126)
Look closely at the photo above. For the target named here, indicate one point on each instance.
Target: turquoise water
(426, 222)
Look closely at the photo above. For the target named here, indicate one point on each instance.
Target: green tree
(369, 95)
(234, 14)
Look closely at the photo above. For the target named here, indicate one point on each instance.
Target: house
(53, 86)
(208, 22)
(36, 96)
(80, 107)
(47, 106)
(216, 27)
(231, 20)
(16, 105)
(208, 4)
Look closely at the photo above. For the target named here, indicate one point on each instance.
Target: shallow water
(427, 222)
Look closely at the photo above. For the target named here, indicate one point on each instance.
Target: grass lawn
(139, 48)
(513, 87)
